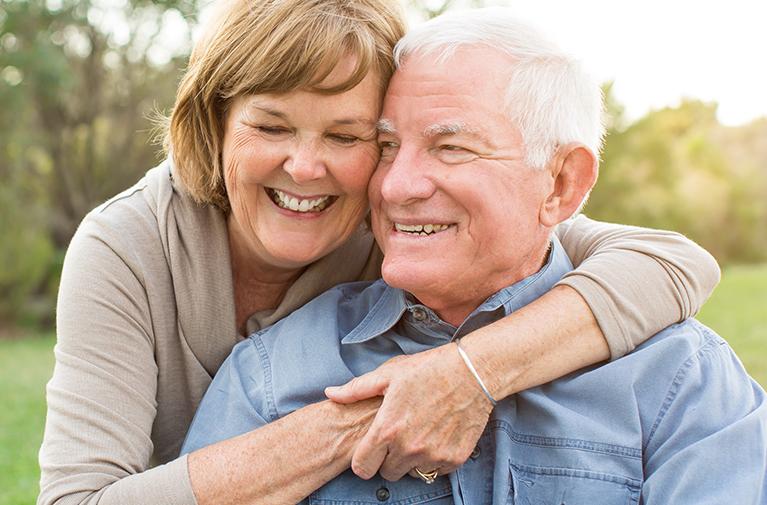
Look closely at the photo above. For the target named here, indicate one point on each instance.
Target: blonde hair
(270, 46)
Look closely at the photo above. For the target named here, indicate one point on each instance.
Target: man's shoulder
(681, 343)
(677, 349)
(330, 316)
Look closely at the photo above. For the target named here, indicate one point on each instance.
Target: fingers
(394, 468)
(369, 455)
(360, 388)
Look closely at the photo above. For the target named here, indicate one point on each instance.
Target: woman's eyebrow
(269, 111)
(365, 121)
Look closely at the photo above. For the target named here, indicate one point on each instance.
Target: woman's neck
(257, 284)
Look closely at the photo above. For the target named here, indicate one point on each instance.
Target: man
(484, 123)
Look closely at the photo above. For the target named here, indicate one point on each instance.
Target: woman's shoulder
(155, 213)
(137, 208)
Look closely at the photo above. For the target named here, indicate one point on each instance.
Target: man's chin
(409, 275)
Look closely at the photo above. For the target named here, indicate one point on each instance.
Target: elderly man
(485, 122)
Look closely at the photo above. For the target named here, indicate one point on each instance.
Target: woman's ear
(573, 170)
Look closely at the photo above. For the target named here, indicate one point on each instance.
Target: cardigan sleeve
(636, 280)
(102, 396)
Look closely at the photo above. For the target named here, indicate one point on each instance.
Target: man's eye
(387, 148)
(450, 153)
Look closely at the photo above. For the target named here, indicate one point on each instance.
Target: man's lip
(410, 221)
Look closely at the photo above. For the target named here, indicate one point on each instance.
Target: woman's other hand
(432, 415)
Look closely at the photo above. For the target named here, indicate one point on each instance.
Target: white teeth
(290, 202)
(421, 229)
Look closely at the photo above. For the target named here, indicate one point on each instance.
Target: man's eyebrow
(386, 126)
(452, 128)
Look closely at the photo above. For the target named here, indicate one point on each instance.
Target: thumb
(360, 388)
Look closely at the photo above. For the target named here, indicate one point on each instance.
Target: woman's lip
(301, 197)
(304, 207)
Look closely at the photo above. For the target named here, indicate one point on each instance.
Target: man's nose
(306, 162)
(407, 178)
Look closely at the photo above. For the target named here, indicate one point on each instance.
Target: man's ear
(573, 170)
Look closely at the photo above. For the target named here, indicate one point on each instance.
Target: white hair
(550, 97)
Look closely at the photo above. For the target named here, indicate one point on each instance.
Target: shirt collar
(387, 311)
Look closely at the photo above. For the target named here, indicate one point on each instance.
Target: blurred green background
(79, 80)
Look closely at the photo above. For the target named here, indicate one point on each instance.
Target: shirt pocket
(534, 485)
(348, 489)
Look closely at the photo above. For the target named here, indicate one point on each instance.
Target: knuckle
(388, 433)
(441, 457)
(417, 448)
(390, 474)
(361, 471)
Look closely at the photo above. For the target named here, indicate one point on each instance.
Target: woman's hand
(432, 415)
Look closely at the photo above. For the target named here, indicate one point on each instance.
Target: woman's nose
(306, 163)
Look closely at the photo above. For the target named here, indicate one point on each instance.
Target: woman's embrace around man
(261, 207)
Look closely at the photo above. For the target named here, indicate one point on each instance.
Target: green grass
(25, 367)
(736, 311)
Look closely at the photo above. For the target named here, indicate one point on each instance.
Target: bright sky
(659, 51)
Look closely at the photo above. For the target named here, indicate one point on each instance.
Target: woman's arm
(284, 461)
(635, 279)
(102, 402)
(102, 397)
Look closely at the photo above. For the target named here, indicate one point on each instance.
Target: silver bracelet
(473, 371)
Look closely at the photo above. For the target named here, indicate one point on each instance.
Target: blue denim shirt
(678, 421)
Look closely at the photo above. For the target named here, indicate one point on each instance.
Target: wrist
(473, 371)
(347, 424)
(501, 372)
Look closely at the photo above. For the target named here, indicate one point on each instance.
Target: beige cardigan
(146, 316)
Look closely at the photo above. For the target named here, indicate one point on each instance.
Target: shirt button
(382, 494)
(475, 453)
(419, 314)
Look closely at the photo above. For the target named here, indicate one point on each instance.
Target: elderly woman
(259, 208)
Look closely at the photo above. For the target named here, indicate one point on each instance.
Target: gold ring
(427, 477)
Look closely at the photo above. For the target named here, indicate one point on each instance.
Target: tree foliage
(679, 168)
(77, 80)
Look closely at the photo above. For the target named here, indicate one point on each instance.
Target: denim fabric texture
(678, 421)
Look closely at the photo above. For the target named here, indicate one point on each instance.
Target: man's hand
(432, 415)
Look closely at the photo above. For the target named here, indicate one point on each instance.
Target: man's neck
(455, 310)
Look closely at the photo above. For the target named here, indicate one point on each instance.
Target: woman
(258, 209)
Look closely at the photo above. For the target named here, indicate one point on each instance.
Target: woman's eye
(273, 131)
(344, 140)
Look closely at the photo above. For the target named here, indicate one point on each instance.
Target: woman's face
(296, 169)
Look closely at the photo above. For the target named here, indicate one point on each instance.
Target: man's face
(455, 208)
